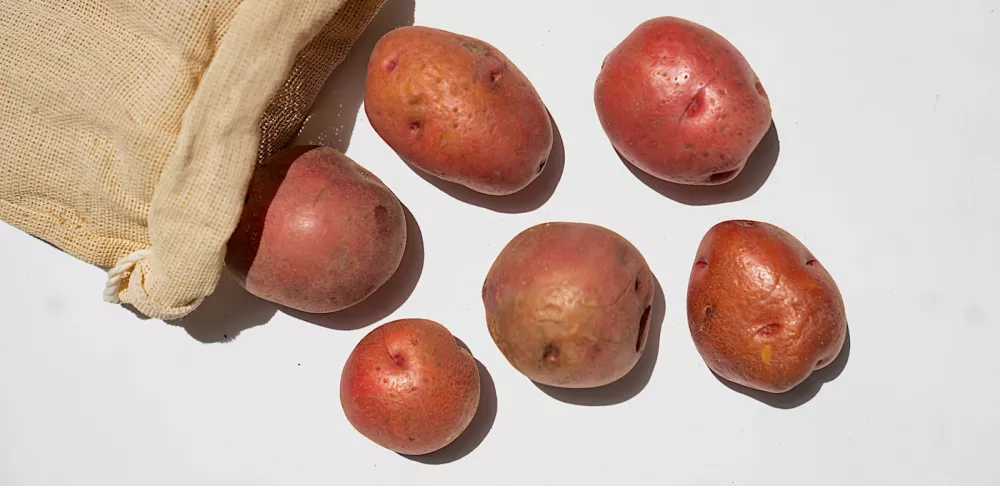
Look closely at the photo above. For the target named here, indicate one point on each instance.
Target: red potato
(762, 311)
(409, 387)
(456, 108)
(318, 233)
(568, 304)
(679, 102)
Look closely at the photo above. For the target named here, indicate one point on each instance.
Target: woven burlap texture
(132, 127)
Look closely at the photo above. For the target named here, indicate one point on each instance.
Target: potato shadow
(389, 297)
(226, 313)
(334, 113)
(632, 383)
(526, 200)
(806, 390)
(477, 430)
(753, 176)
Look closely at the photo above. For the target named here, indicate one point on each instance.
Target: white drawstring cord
(126, 264)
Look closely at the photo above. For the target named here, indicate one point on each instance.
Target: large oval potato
(762, 311)
(568, 304)
(679, 102)
(318, 233)
(455, 107)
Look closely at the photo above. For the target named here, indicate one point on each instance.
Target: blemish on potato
(765, 354)
(760, 88)
(694, 106)
(768, 330)
(725, 176)
(550, 353)
(476, 49)
(643, 328)
(381, 214)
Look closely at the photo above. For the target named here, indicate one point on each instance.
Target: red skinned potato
(568, 304)
(456, 108)
(409, 387)
(762, 311)
(318, 233)
(679, 102)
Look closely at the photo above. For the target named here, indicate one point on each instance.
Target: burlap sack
(129, 129)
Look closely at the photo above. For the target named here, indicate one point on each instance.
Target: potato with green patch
(456, 108)
(568, 304)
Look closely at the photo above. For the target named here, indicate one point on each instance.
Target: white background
(887, 116)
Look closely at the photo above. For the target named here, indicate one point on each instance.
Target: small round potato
(409, 387)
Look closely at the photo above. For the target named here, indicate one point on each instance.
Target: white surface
(887, 113)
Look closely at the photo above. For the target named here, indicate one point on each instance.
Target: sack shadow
(478, 429)
(632, 383)
(335, 111)
(758, 169)
(384, 301)
(807, 390)
(226, 313)
(526, 200)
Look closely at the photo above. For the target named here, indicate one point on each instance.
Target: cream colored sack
(129, 129)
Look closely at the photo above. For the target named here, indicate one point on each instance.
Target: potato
(762, 311)
(409, 387)
(456, 108)
(568, 304)
(318, 232)
(679, 102)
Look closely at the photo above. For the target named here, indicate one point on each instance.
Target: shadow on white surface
(526, 200)
(753, 176)
(226, 313)
(629, 385)
(335, 112)
(389, 297)
(477, 430)
(806, 390)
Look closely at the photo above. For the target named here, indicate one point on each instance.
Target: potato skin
(455, 107)
(318, 233)
(409, 387)
(762, 311)
(568, 304)
(681, 103)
